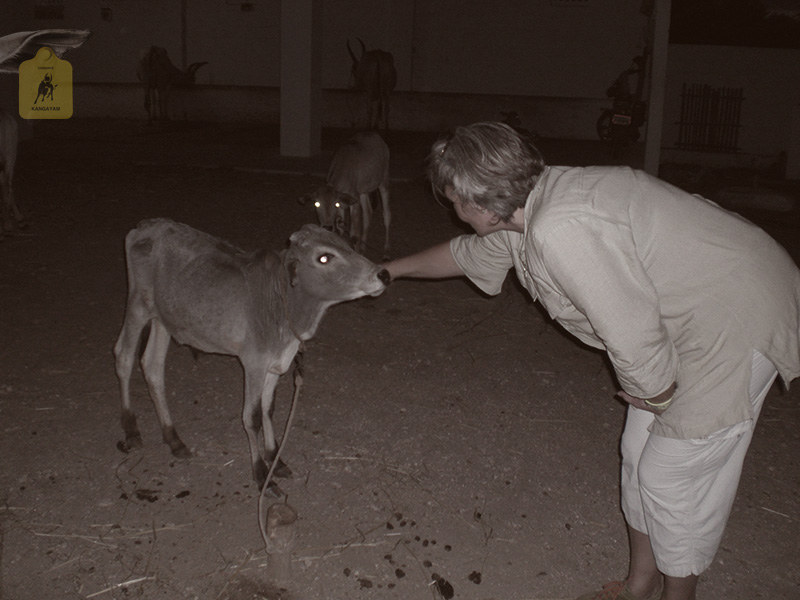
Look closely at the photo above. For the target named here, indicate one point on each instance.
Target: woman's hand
(656, 405)
(434, 263)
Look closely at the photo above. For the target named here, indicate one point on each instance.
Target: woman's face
(480, 219)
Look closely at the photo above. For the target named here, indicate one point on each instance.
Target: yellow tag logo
(45, 87)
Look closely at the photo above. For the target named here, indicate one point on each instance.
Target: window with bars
(710, 118)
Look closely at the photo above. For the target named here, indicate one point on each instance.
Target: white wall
(556, 48)
(457, 61)
(537, 48)
(769, 78)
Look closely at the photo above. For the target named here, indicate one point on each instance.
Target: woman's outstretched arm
(434, 263)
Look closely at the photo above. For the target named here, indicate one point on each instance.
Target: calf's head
(324, 266)
(333, 209)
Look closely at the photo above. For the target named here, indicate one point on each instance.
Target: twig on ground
(124, 584)
(153, 531)
(775, 512)
(63, 564)
(148, 531)
(247, 557)
(152, 546)
(337, 550)
(425, 575)
(85, 538)
(369, 460)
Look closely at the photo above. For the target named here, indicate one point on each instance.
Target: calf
(258, 306)
(359, 168)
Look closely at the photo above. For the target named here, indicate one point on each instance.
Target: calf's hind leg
(155, 355)
(125, 351)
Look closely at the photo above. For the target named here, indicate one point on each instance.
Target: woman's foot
(618, 590)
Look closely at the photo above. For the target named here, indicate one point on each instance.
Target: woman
(696, 307)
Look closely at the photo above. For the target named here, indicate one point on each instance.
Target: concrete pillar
(793, 153)
(301, 80)
(658, 83)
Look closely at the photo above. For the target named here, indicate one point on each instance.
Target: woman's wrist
(663, 400)
(662, 404)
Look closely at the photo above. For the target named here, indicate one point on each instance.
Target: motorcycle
(620, 124)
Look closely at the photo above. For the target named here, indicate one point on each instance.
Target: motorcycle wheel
(603, 125)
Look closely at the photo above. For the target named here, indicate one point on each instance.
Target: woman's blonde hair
(488, 165)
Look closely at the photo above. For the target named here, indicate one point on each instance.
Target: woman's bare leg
(643, 574)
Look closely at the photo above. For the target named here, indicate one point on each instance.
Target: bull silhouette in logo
(46, 88)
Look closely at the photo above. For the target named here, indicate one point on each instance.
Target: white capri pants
(680, 492)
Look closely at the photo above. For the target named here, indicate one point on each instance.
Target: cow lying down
(258, 306)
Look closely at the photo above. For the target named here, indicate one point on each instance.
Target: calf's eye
(325, 258)
(317, 204)
(338, 205)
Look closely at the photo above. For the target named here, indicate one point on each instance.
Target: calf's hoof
(131, 442)
(273, 490)
(176, 445)
(282, 470)
(182, 452)
(260, 472)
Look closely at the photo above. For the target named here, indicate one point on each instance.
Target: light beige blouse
(672, 286)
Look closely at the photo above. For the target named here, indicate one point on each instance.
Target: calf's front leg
(259, 392)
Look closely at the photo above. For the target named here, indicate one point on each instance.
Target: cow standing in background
(258, 306)
(359, 169)
(374, 75)
(160, 77)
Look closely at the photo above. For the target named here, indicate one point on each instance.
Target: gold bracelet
(663, 404)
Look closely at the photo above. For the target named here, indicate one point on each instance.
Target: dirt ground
(446, 445)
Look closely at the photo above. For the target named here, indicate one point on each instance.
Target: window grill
(710, 118)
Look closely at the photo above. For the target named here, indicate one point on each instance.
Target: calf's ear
(299, 236)
(291, 267)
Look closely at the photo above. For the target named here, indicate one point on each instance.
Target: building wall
(524, 47)
(457, 61)
(768, 77)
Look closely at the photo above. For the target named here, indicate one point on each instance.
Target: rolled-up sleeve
(485, 260)
(594, 264)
